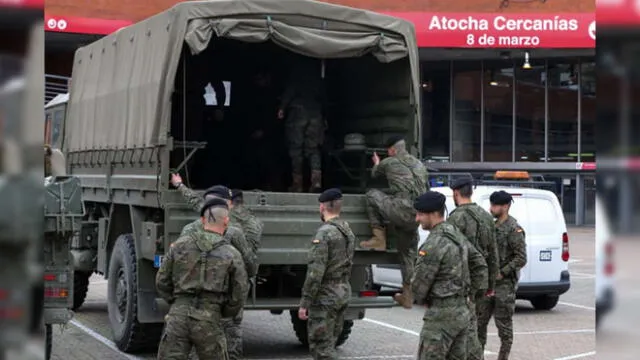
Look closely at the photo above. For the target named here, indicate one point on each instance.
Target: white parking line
(577, 356)
(406, 331)
(582, 274)
(550, 332)
(382, 357)
(108, 343)
(577, 306)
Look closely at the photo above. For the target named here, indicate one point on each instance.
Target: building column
(580, 214)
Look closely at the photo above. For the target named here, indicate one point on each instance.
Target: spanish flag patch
(422, 253)
(316, 241)
(519, 229)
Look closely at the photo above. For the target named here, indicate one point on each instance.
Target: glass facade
(502, 111)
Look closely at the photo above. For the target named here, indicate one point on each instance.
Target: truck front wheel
(80, 288)
(48, 333)
(300, 328)
(129, 335)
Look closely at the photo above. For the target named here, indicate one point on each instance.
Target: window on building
(530, 111)
(210, 94)
(588, 112)
(498, 111)
(436, 108)
(467, 102)
(563, 111)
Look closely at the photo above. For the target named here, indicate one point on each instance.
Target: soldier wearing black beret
(213, 203)
(220, 191)
(430, 202)
(501, 198)
(328, 277)
(407, 178)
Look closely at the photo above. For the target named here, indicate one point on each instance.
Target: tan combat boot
(316, 180)
(405, 298)
(378, 241)
(296, 183)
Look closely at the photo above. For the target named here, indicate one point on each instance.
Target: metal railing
(54, 85)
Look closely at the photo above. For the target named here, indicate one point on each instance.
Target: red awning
(80, 25)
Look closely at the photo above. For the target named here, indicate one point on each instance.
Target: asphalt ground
(564, 333)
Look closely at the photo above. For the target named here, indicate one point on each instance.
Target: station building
(506, 84)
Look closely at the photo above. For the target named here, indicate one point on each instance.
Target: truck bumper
(605, 302)
(57, 316)
(529, 290)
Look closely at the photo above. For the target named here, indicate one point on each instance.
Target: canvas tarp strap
(307, 41)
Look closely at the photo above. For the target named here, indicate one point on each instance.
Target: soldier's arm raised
(191, 197)
(519, 247)
(164, 277)
(427, 266)
(318, 257)
(381, 168)
(238, 287)
(239, 241)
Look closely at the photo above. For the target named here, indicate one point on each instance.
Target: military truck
(133, 116)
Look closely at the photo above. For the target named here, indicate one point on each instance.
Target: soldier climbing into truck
(125, 138)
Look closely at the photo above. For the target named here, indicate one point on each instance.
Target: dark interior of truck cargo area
(246, 146)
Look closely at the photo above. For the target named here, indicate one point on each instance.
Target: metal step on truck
(136, 112)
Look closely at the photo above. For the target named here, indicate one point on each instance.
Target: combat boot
(405, 298)
(316, 181)
(296, 183)
(505, 349)
(378, 241)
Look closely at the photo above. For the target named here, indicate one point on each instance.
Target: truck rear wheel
(300, 328)
(48, 344)
(80, 288)
(129, 335)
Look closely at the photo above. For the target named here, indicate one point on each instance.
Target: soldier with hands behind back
(327, 288)
(443, 282)
(204, 279)
(510, 238)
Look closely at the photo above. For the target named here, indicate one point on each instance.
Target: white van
(604, 263)
(546, 275)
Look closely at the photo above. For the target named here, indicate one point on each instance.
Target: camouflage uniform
(407, 178)
(236, 237)
(478, 227)
(251, 226)
(512, 249)
(442, 282)
(302, 102)
(327, 288)
(203, 278)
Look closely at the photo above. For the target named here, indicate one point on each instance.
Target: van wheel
(545, 302)
(300, 328)
(122, 301)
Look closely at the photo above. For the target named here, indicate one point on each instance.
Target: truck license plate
(157, 261)
(545, 255)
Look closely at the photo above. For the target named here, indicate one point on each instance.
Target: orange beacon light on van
(511, 175)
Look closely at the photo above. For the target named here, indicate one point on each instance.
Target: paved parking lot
(564, 333)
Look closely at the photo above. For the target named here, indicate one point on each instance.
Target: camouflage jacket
(469, 218)
(251, 226)
(445, 265)
(510, 238)
(406, 175)
(236, 239)
(329, 268)
(183, 273)
(193, 198)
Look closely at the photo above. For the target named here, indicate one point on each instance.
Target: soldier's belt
(204, 299)
(448, 301)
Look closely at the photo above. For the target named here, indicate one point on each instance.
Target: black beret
(393, 140)
(460, 182)
(236, 193)
(330, 195)
(211, 203)
(220, 191)
(429, 202)
(500, 198)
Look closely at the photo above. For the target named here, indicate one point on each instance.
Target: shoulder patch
(422, 253)
(316, 241)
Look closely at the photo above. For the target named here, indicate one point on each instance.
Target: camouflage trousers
(304, 129)
(444, 333)
(324, 327)
(475, 349)
(181, 332)
(233, 334)
(400, 213)
(501, 306)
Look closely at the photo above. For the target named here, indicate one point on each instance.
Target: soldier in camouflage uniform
(327, 288)
(442, 282)
(204, 279)
(478, 227)
(236, 236)
(302, 103)
(407, 178)
(251, 226)
(512, 249)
